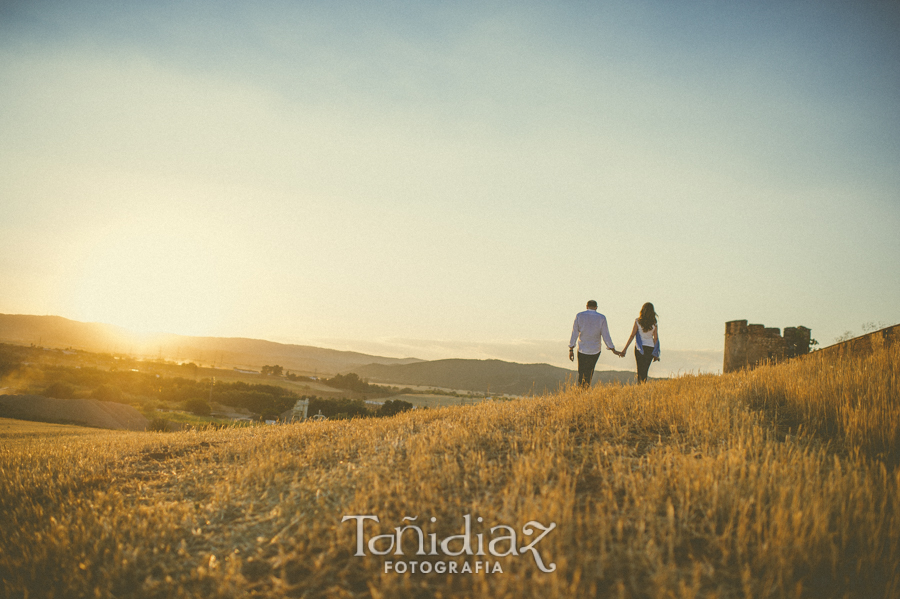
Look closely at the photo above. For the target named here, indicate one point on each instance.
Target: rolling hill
(58, 332)
(493, 376)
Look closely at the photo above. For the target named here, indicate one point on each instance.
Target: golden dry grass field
(780, 482)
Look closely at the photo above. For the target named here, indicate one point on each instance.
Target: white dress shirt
(589, 328)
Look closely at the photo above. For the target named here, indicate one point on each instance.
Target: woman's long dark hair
(648, 317)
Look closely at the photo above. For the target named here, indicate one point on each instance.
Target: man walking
(590, 326)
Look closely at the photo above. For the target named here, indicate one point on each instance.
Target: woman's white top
(646, 336)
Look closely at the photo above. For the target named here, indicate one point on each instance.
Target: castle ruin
(747, 346)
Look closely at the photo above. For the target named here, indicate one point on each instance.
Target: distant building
(298, 412)
(747, 346)
(244, 371)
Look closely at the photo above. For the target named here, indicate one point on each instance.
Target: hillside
(494, 376)
(58, 332)
(777, 482)
(84, 412)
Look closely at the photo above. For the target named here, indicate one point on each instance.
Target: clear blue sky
(451, 179)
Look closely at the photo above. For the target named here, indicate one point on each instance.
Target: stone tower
(747, 346)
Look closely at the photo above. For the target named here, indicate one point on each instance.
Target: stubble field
(780, 482)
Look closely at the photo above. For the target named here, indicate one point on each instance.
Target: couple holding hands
(590, 327)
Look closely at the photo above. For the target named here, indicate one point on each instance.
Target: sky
(452, 179)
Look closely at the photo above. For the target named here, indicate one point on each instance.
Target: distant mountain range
(489, 376)
(222, 352)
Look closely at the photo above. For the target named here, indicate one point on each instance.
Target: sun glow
(147, 280)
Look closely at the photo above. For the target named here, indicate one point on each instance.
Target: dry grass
(774, 483)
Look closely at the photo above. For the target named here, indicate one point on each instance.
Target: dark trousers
(643, 363)
(586, 363)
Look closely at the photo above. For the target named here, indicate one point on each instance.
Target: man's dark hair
(591, 304)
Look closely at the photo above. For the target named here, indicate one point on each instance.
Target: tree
(273, 370)
(198, 407)
(393, 407)
(350, 382)
(10, 360)
(869, 327)
(847, 336)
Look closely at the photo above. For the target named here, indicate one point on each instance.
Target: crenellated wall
(747, 345)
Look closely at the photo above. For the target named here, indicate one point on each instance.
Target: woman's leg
(643, 363)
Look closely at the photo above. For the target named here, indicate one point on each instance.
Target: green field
(780, 482)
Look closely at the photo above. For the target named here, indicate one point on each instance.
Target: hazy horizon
(533, 351)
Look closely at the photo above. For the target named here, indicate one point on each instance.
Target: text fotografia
(502, 541)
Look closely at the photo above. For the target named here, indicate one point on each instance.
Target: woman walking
(646, 341)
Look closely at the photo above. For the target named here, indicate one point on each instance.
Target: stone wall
(747, 346)
(865, 343)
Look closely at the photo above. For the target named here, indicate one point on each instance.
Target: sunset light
(452, 177)
(538, 299)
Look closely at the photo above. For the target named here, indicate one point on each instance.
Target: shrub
(107, 393)
(60, 391)
(198, 407)
(350, 382)
(158, 425)
(334, 408)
